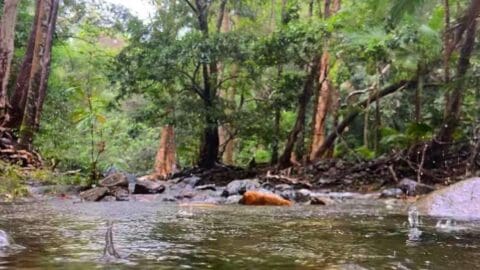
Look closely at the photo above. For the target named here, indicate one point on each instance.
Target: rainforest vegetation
(388, 86)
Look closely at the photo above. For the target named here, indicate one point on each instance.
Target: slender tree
(7, 35)
(45, 28)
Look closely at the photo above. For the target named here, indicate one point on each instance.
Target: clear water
(355, 235)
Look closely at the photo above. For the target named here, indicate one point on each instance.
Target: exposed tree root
(12, 153)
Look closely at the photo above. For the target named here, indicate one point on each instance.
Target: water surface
(150, 235)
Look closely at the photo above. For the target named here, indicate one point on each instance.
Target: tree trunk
(303, 99)
(453, 107)
(7, 36)
(19, 96)
(324, 95)
(165, 161)
(225, 131)
(338, 130)
(208, 155)
(39, 71)
(46, 62)
(321, 111)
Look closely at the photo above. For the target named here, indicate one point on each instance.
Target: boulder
(108, 198)
(192, 180)
(238, 187)
(263, 198)
(460, 200)
(321, 200)
(300, 196)
(148, 187)
(4, 242)
(414, 188)
(114, 180)
(283, 187)
(234, 199)
(94, 194)
(120, 194)
(391, 193)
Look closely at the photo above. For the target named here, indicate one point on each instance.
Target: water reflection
(359, 235)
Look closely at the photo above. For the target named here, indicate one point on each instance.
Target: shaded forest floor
(457, 162)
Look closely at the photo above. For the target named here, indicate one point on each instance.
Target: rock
(111, 170)
(283, 187)
(460, 200)
(192, 180)
(108, 198)
(413, 188)
(94, 194)
(120, 194)
(4, 242)
(206, 187)
(234, 199)
(148, 187)
(114, 180)
(321, 200)
(301, 196)
(391, 193)
(237, 187)
(262, 198)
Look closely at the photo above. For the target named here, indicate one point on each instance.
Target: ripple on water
(352, 235)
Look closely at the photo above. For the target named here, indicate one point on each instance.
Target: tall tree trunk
(324, 95)
(453, 107)
(208, 155)
(321, 110)
(7, 36)
(46, 60)
(45, 26)
(18, 98)
(165, 161)
(446, 52)
(303, 100)
(225, 131)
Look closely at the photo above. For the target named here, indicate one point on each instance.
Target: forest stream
(356, 234)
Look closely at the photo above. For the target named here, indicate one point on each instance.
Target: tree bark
(324, 95)
(453, 107)
(338, 130)
(7, 37)
(321, 111)
(18, 98)
(165, 161)
(303, 99)
(45, 26)
(209, 148)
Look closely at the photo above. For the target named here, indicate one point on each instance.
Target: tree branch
(191, 6)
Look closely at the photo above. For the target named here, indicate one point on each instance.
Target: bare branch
(191, 6)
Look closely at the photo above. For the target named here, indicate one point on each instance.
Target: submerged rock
(263, 198)
(413, 188)
(148, 187)
(114, 180)
(460, 200)
(238, 187)
(94, 194)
